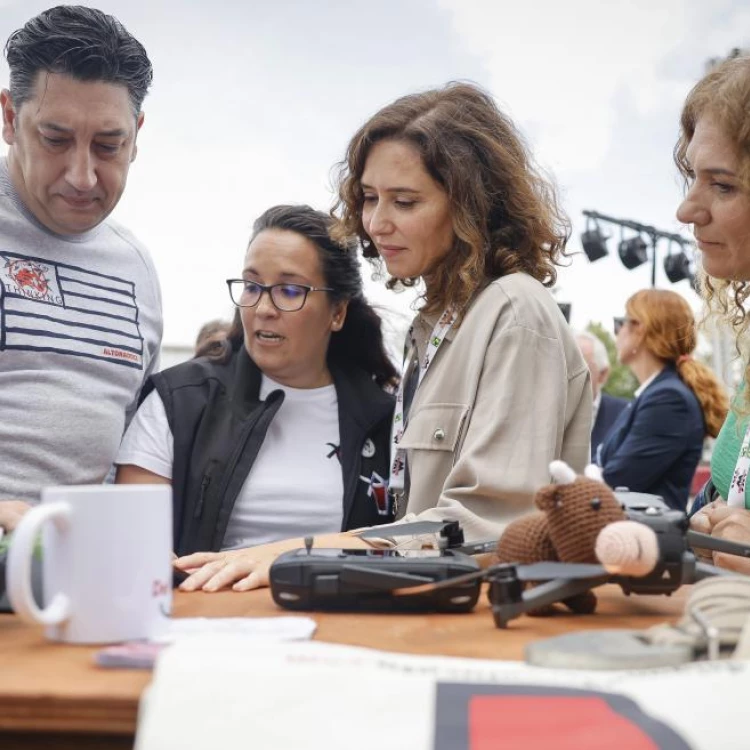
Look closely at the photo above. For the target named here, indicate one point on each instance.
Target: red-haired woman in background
(656, 443)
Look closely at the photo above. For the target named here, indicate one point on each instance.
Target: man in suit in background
(606, 407)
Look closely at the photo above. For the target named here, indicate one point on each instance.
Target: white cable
(716, 614)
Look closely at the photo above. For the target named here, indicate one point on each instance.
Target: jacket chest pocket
(435, 427)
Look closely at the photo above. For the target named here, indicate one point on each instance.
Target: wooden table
(53, 696)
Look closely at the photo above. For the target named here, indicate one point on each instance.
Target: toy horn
(562, 473)
(592, 471)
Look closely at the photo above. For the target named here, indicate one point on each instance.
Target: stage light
(594, 243)
(677, 267)
(633, 252)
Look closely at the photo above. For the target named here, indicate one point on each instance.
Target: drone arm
(540, 596)
(706, 541)
(555, 591)
(706, 570)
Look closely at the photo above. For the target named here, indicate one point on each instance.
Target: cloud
(597, 88)
(560, 66)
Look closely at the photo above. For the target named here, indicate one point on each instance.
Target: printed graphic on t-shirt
(55, 307)
(334, 450)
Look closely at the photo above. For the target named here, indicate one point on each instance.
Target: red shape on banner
(527, 722)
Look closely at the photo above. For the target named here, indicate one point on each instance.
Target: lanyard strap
(736, 497)
(398, 456)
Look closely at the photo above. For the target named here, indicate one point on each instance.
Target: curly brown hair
(670, 333)
(723, 94)
(506, 216)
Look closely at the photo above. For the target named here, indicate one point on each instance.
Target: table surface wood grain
(51, 689)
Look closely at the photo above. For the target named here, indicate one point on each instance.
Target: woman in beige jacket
(439, 187)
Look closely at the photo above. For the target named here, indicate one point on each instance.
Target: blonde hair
(670, 334)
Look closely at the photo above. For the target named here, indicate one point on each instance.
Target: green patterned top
(727, 450)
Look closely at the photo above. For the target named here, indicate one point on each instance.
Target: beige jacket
(507, 393)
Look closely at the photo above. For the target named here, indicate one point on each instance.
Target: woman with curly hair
(656, 442)
(713, 155)
(439, 187)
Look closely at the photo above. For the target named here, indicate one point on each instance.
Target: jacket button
(439, 434)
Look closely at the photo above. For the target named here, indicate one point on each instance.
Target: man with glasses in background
(80, 307)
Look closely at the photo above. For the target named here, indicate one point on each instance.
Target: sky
(253, 103)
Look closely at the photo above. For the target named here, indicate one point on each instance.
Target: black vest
(219, 423)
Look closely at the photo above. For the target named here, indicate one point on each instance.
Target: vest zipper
(247, 432)
(202, 497)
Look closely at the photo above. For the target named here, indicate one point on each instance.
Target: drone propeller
(405, 529)
(435, 586)
(533, 572)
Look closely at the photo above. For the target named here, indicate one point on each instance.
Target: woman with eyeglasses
(656, 443)
(284, 432)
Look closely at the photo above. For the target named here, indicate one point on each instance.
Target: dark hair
(505, 214)
(360, 340)
(80, 42)
(210, 336)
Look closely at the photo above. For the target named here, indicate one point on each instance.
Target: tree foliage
(621, 381)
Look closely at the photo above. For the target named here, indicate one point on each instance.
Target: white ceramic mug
(106, 562)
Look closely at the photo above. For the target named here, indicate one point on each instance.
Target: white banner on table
(227, 693)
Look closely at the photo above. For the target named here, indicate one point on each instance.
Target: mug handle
(18, 574)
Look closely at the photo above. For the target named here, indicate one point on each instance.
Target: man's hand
(11, 512)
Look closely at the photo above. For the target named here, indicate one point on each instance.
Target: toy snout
(627, 548)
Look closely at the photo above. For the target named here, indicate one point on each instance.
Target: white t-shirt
(295, 487)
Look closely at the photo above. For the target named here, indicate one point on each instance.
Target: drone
(449, 578)
(675, 564)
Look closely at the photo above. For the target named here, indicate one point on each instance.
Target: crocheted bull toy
(573, 512)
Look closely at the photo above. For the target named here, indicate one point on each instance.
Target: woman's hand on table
(247, 569)
(730, 524)
(243, 569)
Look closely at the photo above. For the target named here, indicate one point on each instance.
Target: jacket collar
(424, 324)
(359, 396)
(357, 393)
(667, 373)
(246, 379)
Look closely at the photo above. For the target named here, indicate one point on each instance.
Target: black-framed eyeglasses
(620, 322)
(285, 297)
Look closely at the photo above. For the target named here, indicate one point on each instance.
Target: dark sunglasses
(620, 322)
